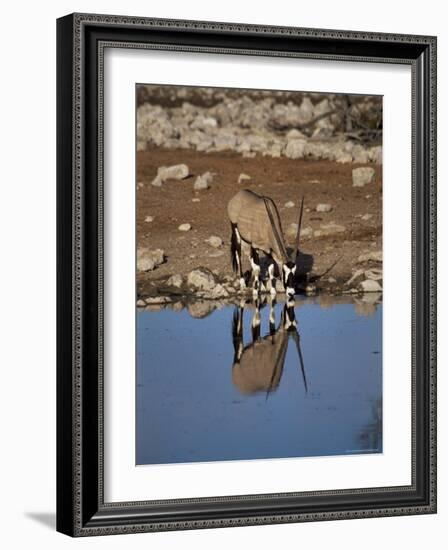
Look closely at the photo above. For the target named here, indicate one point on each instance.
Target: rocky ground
(183, 189)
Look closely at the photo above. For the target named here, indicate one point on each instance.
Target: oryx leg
(272, 278)
(235, 252)
(255, 265)
(237, 333)
(256, 321)
(272, 302)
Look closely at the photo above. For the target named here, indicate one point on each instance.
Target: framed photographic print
(246, 274)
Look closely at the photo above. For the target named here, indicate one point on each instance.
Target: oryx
(258, 366)
(255, 221)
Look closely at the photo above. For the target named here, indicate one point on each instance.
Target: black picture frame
(81, 510)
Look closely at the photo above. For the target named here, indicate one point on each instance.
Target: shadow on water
(263, 379)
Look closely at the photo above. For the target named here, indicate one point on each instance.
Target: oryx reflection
(258, 366)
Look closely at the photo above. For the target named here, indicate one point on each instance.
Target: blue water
(190, 408)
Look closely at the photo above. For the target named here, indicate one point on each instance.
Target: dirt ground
(283, 180)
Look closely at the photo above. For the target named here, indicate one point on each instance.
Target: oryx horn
(298, 231)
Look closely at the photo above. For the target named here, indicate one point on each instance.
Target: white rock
(324, 208)
(243, 177)
(331, 280)
(366, 217)
(141, 303)
(147, 260)
(218, 292)
(224, 142)
(214, 241)
(289, 204)
(370, 286)
(372, 256)
(374, 274)
(356, 275)
(362, 176)
(175, 280)
(175, 172)
(157, 182)
(184, 227)
(295, 149)
(196, 200)
(149, 219)
(295, 134)
(360, 154)
(203, 181)
(201, 278)
(343, 157)
(376, 154)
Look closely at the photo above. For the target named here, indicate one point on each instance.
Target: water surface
(197, 402)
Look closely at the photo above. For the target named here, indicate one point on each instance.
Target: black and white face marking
(289, 270)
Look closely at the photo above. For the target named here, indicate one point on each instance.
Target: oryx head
(289, 267)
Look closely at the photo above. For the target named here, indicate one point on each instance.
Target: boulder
(373, 256)
(203, 181)
(370, 285)
(295, 149)
(376, 154)
(175, 172)
(147, 260)
(362, 176)
(360, 154)
(202, 279)
(175, 280)
(374, 274)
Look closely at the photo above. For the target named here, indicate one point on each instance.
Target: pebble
(203, 181)
(324, 208)
(195, 200)
(214, 241)
(367, 217)
(289, 204)
(243, 177)
(149, 219)
(184, 227)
